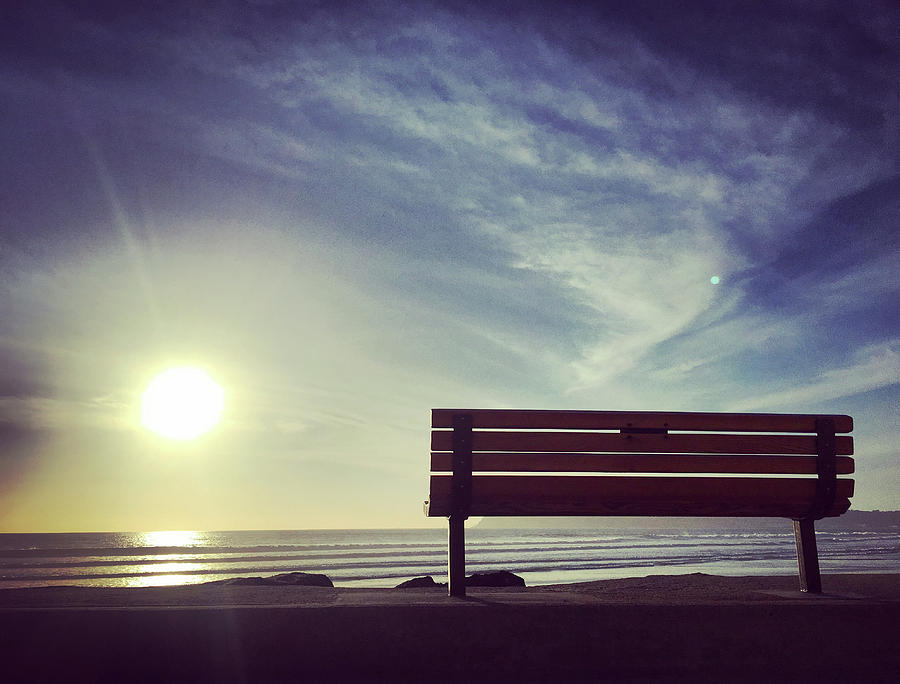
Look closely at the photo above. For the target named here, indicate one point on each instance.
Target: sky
(351, 213)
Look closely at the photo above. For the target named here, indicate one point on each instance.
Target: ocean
(384, 558)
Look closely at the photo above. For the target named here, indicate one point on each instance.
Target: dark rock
(297, 579)
(501, 578)
(240, 581)
(305, 579)
(419, 583)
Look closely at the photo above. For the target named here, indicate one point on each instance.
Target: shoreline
(660, 627)
(384, 558)
(654, 589)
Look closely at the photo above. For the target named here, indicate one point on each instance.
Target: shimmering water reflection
(387, 557)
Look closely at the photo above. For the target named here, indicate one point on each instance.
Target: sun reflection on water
(160, 580)
(150, 575)
(172, 538)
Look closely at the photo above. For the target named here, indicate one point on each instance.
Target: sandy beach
(659, 628)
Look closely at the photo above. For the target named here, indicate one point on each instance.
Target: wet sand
(658, 628)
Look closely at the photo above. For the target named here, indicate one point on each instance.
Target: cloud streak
(873, 368)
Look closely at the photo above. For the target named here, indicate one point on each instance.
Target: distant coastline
(851, 521)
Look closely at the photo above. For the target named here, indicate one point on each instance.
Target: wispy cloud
(358, 212)
(615, 190)
(873, 368)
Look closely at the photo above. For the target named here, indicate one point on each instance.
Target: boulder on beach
(500, 578)
(420, 582)
(298, 579)
(305, 579)
(240, 581)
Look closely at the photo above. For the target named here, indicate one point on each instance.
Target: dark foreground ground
(663, 628)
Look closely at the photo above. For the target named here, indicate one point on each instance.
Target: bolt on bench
(485, 462)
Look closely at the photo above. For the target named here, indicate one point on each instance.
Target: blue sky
(350, 213)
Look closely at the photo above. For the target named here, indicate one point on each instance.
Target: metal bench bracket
(462, 498)
(826, 486)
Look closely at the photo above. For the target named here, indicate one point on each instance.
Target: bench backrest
(488, 462)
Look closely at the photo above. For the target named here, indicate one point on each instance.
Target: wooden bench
(484, 462)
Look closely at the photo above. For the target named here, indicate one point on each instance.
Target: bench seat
(494, 462)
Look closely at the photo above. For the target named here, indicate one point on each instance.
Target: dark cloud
(852, 233)
(20, 447)
(836, 57)
(24, 377)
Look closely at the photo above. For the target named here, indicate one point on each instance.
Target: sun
(182, 403)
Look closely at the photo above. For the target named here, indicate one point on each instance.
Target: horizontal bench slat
(615, 420)
(639, 463)
(680, 496)
(485, 440)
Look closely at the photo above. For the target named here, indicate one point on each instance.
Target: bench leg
(807, 556)
(457, 556)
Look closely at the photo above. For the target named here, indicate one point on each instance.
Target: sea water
(384, 558)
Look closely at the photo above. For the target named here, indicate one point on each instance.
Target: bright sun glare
(182, 403)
